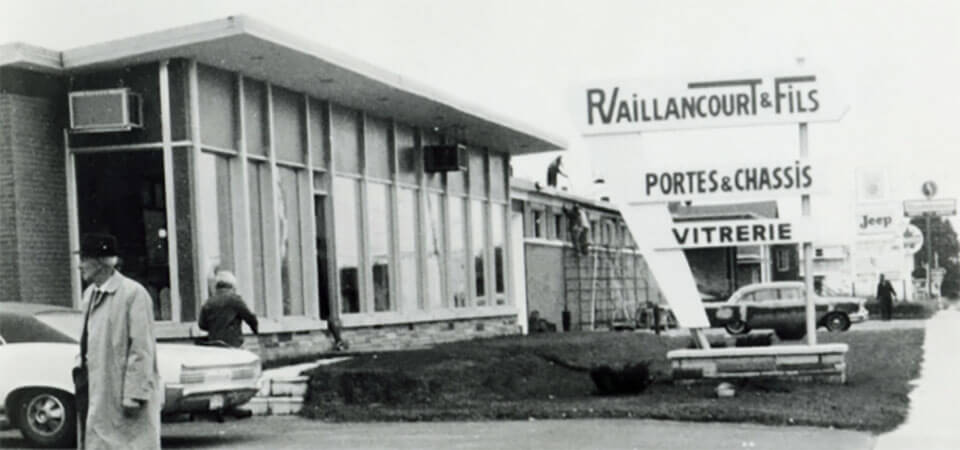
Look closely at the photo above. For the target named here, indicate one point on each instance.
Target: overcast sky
(897, 62)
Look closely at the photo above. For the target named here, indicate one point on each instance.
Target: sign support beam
(811, 310)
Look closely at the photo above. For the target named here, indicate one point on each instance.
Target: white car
(39, 347)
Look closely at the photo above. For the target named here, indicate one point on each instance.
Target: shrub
(631, 379)
(905, 310)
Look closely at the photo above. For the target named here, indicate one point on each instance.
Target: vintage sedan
(39, 347)
(781, 306)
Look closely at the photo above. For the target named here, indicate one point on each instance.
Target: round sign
(912, 239)
(929, 189)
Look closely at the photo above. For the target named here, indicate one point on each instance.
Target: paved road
(297, 433)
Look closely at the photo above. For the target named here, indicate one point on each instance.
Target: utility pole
(929, 257)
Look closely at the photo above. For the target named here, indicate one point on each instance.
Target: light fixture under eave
(325, 80)
(256, 58)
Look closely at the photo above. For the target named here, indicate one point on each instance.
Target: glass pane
(318, 137)
(377, 144)
(457, 181)
(406, 155)
(323, 278)
(478, 231)
(288, 126)
(291, 262)
(141, 230)
(478, 179)
(498, 225)
(346, 198)
(409, 263)
(255, 116)
(498, 190)
(218, 106)
(216, 216)
(257, 179)
(457, 261)
(346, 139)
(434, 179)
(378, 212)
(434, 248)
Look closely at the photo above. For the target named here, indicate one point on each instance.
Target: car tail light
(214, 374)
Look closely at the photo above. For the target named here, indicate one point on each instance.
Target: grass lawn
(547, 376)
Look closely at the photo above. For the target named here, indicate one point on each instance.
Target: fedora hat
(98, 245)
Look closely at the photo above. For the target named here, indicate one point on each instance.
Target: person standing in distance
(223, 312)
(885, 295)
(118, 350)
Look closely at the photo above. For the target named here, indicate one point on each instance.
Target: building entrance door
(122, 193)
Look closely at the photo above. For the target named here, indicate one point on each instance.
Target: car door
(762, 310)
(793, 307)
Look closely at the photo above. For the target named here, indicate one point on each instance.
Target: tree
(943, 240)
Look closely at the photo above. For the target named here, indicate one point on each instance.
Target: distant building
(605, 284)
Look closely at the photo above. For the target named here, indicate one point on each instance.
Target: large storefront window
(434, 250)
(258, 180)
(378, 211)
(216, 220)
(122, 193)
(478, 231)
(346, 213)
(291, 268)
(457, 259)
(409, 261)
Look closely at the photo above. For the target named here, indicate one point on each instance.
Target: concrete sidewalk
(934, 402)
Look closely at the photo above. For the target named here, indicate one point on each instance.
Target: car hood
(200, 356)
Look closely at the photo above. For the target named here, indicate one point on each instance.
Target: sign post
(811, 311)
(928, 209)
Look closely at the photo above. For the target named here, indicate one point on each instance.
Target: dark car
(781, 306)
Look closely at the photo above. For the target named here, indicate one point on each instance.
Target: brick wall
(275, 346)
(34, 240)
(9, 260)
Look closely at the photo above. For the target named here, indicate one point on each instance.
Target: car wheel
(47, 418)
(837, 322)
(736, 326)
(789, 334)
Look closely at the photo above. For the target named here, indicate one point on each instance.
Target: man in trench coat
(124, 383)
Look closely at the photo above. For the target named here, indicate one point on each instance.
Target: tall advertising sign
(612, 115)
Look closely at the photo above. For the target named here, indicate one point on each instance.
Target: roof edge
(80, 57)
(89, 55)
(23, 55)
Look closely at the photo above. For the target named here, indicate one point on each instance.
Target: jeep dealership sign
(629, 106)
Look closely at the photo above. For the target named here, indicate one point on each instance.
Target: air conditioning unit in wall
(105, 110)
(444, 158)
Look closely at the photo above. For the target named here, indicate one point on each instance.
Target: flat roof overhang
(257, 50)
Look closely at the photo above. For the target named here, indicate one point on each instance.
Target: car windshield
(69, 323)
(832, 291)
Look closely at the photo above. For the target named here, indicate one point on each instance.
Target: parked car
(39, 345)
(781, 305)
